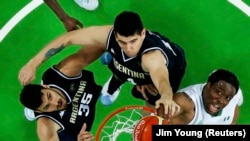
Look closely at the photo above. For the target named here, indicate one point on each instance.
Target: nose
(127, 46)
(54, 102)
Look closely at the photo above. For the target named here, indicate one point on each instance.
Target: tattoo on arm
(53, 51)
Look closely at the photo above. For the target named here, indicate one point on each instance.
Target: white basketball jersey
(201, 116)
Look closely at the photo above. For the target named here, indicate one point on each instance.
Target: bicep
(47, 129)
(186, 113)
(184, 101)
(90, 36)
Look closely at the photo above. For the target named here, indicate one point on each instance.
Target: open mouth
(214, 108)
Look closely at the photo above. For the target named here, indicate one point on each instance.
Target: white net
(119, 125)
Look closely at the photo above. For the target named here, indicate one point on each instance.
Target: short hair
(31, 96)
(222, 74)
(128, 23)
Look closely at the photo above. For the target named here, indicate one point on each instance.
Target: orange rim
(118, 111)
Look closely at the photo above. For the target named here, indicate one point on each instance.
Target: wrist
(33, 63)
(64, 17)
(167, 96)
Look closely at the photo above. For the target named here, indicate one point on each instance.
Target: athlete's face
(217, 96)
(131, 44)
(52, 100)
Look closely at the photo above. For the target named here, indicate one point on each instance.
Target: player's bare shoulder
(184, 101)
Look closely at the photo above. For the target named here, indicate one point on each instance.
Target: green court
(213, 33)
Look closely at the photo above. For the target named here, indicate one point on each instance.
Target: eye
(133, 41)
(229, 98)
(123, 43)
(218, 92)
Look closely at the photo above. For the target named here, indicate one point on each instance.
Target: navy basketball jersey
(82, 94)
(129, 68)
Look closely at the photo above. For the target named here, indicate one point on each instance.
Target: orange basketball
(143, 129)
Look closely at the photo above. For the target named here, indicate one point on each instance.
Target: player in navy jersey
(65, 103)
(153, 63)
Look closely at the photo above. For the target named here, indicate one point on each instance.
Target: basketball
(143, 129)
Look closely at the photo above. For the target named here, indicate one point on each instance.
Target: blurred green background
(213, 33)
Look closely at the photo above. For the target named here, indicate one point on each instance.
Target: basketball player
(153, 63)
(71, 23)
(65, 104)
(215, 102)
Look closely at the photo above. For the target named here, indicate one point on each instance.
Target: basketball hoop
(119, 125)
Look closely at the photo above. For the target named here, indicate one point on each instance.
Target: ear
(208, 85)
(143, 33)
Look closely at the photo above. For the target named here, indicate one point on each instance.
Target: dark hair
(31, 96)
(221, 74)
(128, 23)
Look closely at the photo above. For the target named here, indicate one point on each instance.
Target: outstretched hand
(27, 74)
(166, 107)
(71, 23)
(84, 135)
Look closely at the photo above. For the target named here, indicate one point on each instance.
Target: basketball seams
(143, 128)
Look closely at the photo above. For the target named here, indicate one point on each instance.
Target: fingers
(157, 104)
(84, 135)
(151, 89)
(166, 108)
(79, 24)
(174, 108)
(84, 126)
(160, 111)
(142, 91)
(24, 78)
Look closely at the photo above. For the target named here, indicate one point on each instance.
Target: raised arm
(95, 36)
(70, 23)
(73, 64)
(155, 63)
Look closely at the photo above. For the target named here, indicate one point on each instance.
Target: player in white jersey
(215, 102)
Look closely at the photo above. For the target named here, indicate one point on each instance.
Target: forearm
(165, 89)
(161, 82)
(53, 4)
(48, 51)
